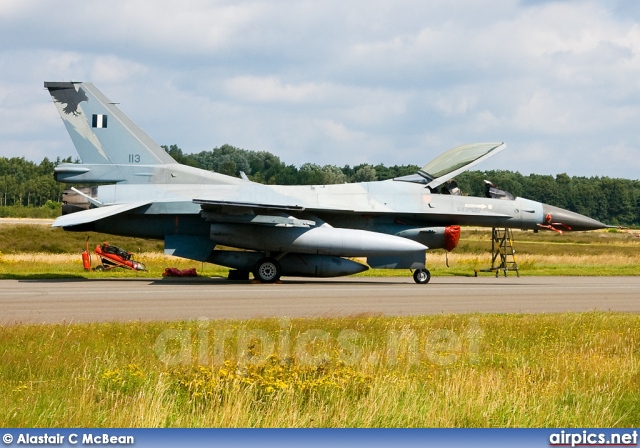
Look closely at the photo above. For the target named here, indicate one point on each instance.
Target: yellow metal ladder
(503, 254)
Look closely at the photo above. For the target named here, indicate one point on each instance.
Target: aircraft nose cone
(562, 219)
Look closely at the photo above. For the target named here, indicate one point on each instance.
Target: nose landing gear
(421, 276)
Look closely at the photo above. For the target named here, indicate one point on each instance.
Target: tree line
(613, 201)
(25, 183)
(266, 168)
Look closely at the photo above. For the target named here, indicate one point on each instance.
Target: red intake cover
(451, 237)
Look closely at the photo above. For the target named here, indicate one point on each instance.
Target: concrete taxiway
(48, 301)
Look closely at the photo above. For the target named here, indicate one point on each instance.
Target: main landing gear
(267, 270)
(421, 276)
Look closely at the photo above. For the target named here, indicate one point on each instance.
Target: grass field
(564, 370)
(45, 265)
(42, 252)
(558, 370)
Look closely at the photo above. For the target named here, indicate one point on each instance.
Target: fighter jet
(310, 230)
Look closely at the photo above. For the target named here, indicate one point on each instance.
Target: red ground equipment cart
(111, 257)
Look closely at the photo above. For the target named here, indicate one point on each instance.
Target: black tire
(99, 268)
(267, 270)
(422, 276)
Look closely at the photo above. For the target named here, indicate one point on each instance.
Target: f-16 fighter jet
(310, 230)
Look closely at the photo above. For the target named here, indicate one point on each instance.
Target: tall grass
(42, 238)
(50, 210)
(43, 264)
(440, 371)
(47, 265)
(39, 238)
(39, 251)
(482, 370)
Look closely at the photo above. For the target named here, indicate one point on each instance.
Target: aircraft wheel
(267, 270)
(422, 276)
(99, 268)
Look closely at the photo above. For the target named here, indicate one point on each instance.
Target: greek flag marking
(99, 121)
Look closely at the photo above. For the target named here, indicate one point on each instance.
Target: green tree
(176, 153)
(24, 183)
(310, 174)
(333, 175)
(365, 173)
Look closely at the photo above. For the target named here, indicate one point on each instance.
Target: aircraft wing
(95, 214)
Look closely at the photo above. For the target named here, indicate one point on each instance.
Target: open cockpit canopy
(453, 162)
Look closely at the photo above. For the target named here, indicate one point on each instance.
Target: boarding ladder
(503, 254)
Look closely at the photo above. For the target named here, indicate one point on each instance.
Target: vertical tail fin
(102, 133)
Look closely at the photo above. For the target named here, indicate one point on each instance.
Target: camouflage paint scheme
(287, 230)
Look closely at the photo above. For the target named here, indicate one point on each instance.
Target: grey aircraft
(309, 230)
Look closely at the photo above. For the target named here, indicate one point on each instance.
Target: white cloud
(338, 131)
(334, 82)
(111, 69)
(13, 9)
(457, 104)
(271, 89)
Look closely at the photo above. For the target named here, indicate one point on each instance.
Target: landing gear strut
(267, 270)
(421, 276)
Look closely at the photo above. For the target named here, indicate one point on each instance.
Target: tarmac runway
(49, 301)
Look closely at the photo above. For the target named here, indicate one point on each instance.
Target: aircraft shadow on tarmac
(292, 281)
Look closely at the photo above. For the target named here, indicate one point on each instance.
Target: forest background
(28, 189)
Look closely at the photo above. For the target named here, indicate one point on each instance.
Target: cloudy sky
(339, 82)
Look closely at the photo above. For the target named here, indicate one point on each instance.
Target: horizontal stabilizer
(95, 214)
